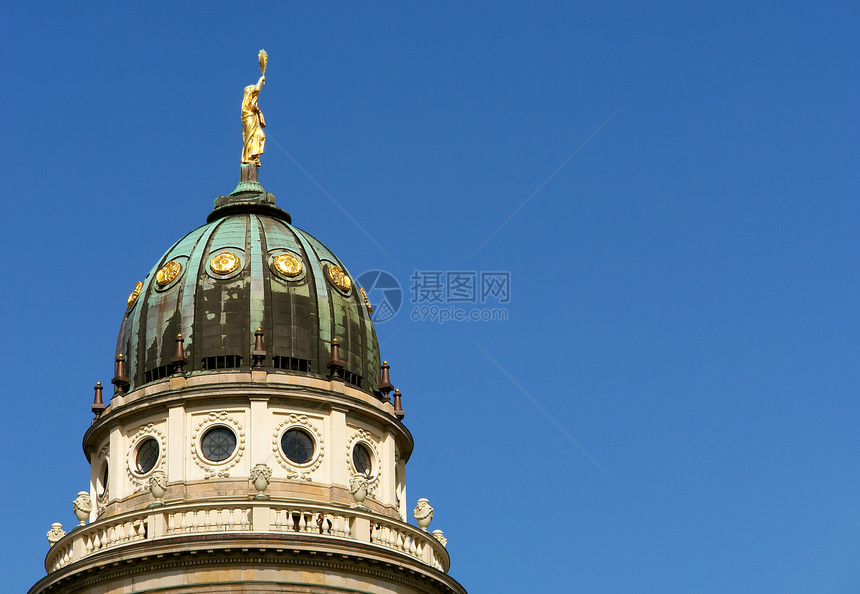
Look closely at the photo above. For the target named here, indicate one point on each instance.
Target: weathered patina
(217, 312)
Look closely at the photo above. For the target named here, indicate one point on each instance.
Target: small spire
(335, 365)
(179, 361)
(398, 408)
(259, 353)
(98, 403)
(385, 386)
(120, 380)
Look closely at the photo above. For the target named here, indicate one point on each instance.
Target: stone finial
(158, 487)
(358, 489)
(179, 361)
(98, 403)
(423, 513)
(82, 506)
(440, 536)
(261, 475)
(398, 406)
(55, 533)
(335, 366)
(385, 383)
(120, 381)
(259, 353)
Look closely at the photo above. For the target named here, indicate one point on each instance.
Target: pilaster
(176, 439)
(338, 470)
(259, 431)
(387, 483)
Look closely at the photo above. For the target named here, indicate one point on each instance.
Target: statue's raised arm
(253, 137)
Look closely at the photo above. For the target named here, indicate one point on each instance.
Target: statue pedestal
(249, 180)
(249, 172)
(249, 196)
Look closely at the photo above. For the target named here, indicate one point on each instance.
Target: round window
(147, 455)
(298, 446)
(362, 459)
(218, 444)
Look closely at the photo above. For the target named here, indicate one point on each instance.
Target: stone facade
(221, 466)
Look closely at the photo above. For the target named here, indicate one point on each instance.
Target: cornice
(316, 395)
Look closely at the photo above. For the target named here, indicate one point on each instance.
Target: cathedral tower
(254, 441)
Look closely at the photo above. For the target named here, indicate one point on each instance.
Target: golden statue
(253, 137)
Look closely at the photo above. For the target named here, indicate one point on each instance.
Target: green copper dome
(248, 268)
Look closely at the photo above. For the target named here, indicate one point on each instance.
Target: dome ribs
(318, 324)
(187, 301)
(218, 312)
(150, 343)
(293, 304)
(346, 317)
(221, 305)
(258, 293)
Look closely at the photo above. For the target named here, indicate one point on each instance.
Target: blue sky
(684, 289)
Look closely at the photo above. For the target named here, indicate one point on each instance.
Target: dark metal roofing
(218, 314)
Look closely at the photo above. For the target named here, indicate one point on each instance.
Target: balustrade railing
(60, 556)
(282, 518)
(311, 521)
(218, 519)
(412, 542)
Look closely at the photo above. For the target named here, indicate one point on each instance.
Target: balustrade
(283, 518)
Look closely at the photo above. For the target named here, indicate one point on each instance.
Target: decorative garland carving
(139, 481)
(219, 469)
(365, 437)
(298, 471)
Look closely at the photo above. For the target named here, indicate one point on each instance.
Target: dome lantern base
(248, 197)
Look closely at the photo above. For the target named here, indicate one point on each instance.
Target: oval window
(362, 459)
(147, 455)
(102, 483)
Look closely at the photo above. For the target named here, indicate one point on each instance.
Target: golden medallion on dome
(135, 294)
(339, 278)
(224, 263)
(168, 273)
(287, 264)
(366, 301)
